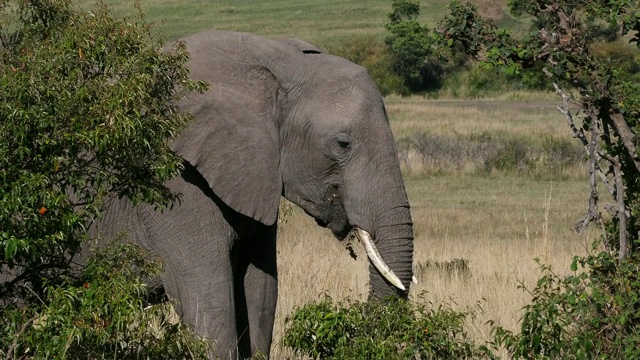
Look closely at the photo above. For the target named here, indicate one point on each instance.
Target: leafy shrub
(478, 81)
(590, 314)
(396, 329)
(371, 52)
(86, 112)
(87, 108)
(89, 319)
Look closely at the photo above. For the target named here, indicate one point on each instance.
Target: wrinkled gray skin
(280, 119)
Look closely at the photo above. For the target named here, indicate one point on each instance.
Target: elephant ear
(233, 141)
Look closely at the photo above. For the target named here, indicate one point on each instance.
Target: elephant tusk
(376, 259)
(414, 279)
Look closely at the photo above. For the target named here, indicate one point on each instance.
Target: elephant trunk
(394, 242)
(376, 259)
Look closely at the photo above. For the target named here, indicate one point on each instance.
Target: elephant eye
(344, 141)
(344, 144)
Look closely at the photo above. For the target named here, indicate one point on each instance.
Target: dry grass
(499, 224)
(470, 137)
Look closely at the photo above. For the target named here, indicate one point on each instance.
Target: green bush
(396, 329)
(86, 113)
(413, 48)
(590, 314)
(477, 81)
(104, 313)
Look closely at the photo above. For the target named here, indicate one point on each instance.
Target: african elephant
(280, 118)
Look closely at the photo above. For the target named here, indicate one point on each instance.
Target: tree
(591, 313)
(86, 113)
(411, 45)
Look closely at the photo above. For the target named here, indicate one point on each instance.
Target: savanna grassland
(493, 183)
(320, 22)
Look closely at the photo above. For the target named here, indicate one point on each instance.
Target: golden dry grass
(498, 223)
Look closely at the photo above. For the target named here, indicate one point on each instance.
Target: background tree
(591, 313)
(412, 47)
(86, 113)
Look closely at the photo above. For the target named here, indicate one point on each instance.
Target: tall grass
(526, 138)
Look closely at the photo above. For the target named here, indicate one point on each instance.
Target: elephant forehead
(342, 106)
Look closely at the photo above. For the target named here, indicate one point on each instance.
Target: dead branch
(579, 134)
(575, 132)
(591, 147)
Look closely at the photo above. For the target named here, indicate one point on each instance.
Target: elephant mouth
(339, 229)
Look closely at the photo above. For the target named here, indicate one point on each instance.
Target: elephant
(281, 118)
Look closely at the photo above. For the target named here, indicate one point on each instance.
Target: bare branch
(593, 214)
(579, 134)
(575, 132)
(591, 147)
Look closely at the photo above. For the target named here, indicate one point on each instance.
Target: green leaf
(10, 248)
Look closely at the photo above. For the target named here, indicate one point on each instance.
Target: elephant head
(282, 118)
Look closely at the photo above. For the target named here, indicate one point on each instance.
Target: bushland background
(493, 176)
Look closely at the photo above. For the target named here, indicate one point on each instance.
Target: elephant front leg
(256, 293)
(202, 282)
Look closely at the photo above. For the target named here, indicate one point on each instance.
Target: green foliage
(590, 314)
(372, 53)
(479, 81)
(87, 319)
(88, 108)
(412, 47)
(86, 111)
(396, 329)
